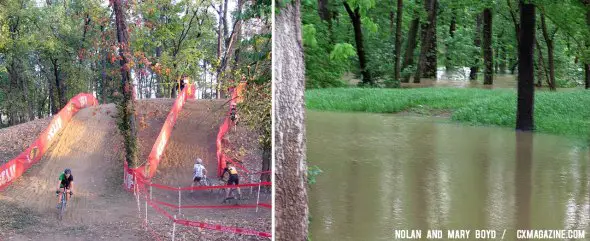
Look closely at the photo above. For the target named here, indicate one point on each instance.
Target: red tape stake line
(222, 228)
(154, 234)
(162, 211)
(208, 187)
(266, 205)
(203, 206)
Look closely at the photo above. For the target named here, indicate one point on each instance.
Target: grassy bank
(564, 113)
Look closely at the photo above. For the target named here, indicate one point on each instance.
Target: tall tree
(477, 43)
(427, 62)
(326, 15)
(550, 55)
(526, 79)
(587, 64)
(398, 39)
(488, 55)
(410, 46)
(290, 166)
(452, 29)
(127, 109)
(355, 18)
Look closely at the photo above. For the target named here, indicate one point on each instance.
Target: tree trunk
(540, 65)
(59, 85)
(431, 60)
(526, 79)
(517, 25)
(410, 47)
(355, 18)
(502, 59)
(52, 99)
(266, 163)
(477, 43)
(488, 54)
(587, 76)
(587, 65)
(291, 210)
(225, 31)
(398, 39)
(128, 115)
(427, 61)
(452, 29)
(551, 63)
(324, 10)
(29, 101)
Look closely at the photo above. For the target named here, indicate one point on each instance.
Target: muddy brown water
(386, 172)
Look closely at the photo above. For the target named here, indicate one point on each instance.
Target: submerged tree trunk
(526, 79)
(488, 54)
(291, 217)
(127, 112)
(427, 63)
(398, 39)
(410, 47)
(477, 43)
(355, 18)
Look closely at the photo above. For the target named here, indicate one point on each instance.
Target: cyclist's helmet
(67, 171)
(199, 161)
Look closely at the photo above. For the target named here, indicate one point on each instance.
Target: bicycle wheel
(62, 207)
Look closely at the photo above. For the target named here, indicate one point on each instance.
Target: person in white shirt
(199, 172)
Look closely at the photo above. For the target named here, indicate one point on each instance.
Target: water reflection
(384, 172)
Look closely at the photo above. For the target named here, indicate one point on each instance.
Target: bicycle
(62, 206)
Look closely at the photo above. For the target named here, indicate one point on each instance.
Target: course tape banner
(206, 225)
(236, 97)
(16, 167)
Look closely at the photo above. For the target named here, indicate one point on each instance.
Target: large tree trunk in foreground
(128, 110)
(291, 211)
(477, 43)
(355, 18)
(526, 79)
(410, 47)
(488, 55)
(398, 39)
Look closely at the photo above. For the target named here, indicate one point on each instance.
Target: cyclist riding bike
(199, 172)
(233, 179)
(66, 179)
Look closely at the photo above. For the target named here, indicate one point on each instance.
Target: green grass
(564, 113)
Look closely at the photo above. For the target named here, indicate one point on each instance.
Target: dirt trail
(194, 136)
(99, 208)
